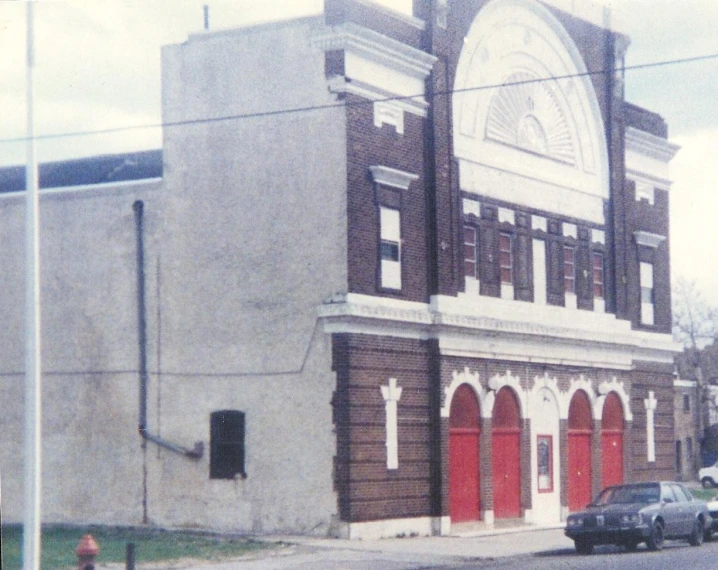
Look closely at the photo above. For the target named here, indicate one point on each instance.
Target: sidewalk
(306, 553)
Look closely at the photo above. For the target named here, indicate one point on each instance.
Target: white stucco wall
(91, 467)
(253, 239)
(244, 238)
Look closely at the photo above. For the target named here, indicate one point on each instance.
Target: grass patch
(58, 545)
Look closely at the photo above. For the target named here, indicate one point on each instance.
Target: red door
(579, 452)
(506, 444)
(507, 473)
(612, 441)
(464, 484)
(579, 470)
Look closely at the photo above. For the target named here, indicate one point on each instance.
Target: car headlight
(574, 521)
(631, 519)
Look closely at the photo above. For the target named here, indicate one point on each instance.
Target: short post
(130, 556)
(86, 552)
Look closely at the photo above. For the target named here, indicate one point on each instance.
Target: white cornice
(376, 47)
(648, 239)
(650, 145)
(647, 179)
(392, 177)
(415, 105)
(487, 327)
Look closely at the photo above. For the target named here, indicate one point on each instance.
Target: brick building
(410, 272)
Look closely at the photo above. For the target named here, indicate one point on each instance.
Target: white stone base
(393, 528)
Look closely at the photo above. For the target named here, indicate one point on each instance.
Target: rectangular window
(506, 257)
(470, 251)
(689, 448)
(544, 456)
(647, 297)
(226, 455)
(686, 403)
(569, 269)
(390, 247)
(597, 260)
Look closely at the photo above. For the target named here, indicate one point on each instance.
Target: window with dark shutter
(506, 258)
(226, 445)
(470, 251)
(569, 269)
(598, 275)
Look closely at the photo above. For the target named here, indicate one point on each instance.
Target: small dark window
(389, 250)
(647, 295)
(226, 458)
(686, 403)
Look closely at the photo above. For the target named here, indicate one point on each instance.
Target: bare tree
(695, 321)
(695, 325)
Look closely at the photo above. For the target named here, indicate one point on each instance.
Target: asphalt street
(533, 549)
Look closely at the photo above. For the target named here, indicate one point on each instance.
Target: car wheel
(696, 537)
(583, 547)
(655, 539)
(707, 483)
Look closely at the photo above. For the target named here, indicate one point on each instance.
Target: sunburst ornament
(524, 113)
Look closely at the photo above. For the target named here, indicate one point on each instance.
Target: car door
(687, 507)
(671, 510)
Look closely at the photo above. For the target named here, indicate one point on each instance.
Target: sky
(98, 67)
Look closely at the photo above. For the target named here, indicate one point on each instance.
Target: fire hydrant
(86, 551)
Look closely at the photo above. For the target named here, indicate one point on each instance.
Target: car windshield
(629, 494)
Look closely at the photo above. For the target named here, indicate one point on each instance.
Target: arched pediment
(525, 113)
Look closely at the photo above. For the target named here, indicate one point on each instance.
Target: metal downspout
(198, 450)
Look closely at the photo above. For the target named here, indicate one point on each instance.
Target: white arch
(523, 38)
(514, 382)
(607, 387)
(587, 386)
(486, 399)
(550, 384)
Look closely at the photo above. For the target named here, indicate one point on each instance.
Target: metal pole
(33, 411)
(130, 556)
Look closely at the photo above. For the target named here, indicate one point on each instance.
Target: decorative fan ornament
(524, 113)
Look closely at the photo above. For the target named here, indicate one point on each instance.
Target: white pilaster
(391, 395)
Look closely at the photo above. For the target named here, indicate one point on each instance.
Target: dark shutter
(226, 444)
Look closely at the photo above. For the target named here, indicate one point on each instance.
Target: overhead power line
(295, 110)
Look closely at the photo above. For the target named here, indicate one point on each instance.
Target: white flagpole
(33, 409)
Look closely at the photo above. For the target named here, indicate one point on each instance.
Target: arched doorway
(506, 443)
(612, 440)
(580, 429)
(464, 430)
(545, 457)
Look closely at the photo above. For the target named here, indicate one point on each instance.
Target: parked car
(708, 476)
(650, 512)
(713, 510)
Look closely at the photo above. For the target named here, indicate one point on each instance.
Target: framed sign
(544, 457)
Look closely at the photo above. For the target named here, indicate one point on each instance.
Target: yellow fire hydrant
(86, 552)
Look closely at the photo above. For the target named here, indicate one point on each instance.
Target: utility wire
(431, 95)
